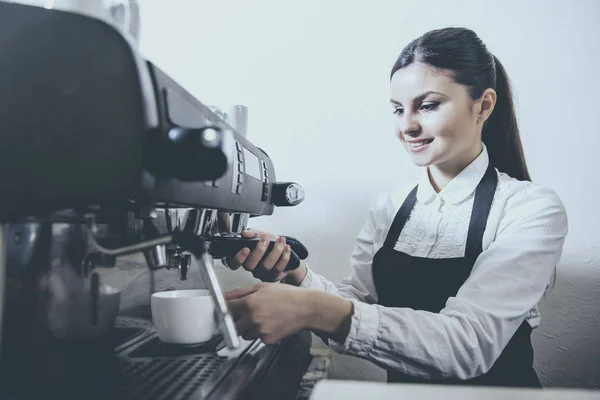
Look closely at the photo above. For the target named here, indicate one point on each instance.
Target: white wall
(315, 76)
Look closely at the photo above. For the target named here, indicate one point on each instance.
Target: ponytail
(501, 131)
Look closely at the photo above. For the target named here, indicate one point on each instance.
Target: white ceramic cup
(183, 316)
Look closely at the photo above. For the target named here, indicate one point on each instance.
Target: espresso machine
(103, 159)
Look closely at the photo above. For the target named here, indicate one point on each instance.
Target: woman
(445, 275)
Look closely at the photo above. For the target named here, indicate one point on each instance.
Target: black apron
(426, 284)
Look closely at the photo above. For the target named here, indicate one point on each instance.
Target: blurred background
(315, 77)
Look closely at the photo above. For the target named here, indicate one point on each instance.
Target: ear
(486, 104)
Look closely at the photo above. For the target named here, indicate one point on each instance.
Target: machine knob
(197, 154)
(286, 194)
(188, 154)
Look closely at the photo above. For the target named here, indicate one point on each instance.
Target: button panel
(265, 184)
(237, 179)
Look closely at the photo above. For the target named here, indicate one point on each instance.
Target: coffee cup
(183, 316)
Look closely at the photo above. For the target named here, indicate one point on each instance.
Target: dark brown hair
(462, 53)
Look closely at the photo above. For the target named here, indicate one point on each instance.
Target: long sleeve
(463, 341)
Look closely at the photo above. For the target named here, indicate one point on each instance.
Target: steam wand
(197, 247)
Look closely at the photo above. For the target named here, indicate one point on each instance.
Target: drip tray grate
(166, 378)
(155, 348)
(128, 331)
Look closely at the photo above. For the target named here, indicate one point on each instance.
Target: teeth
(419, 144)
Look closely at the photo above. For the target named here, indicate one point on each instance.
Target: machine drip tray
(121, 335)
(128, 331)
(155, 348)
(152, 369)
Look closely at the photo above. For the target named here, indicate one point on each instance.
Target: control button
(240, 158)
(238, 145)
(240, 178)
(240, 168)
(266, 173)
(238, 190)
(265, 193)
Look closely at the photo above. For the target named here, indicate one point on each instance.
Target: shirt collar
(459, 188)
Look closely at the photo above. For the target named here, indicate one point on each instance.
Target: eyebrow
(419, 98)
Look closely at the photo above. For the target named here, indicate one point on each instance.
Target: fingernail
(280, 240)
(266, 241)
(245, 251)
(287, 248)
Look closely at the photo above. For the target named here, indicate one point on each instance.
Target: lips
(417, 144)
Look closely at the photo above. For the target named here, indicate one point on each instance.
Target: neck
(441, 174)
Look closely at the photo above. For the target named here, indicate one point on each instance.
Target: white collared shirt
(522, 245)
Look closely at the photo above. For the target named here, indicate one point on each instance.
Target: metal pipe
(134, 248)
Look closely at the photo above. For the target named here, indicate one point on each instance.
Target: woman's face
(435, 118)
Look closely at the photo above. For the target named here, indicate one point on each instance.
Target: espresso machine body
(104, 156)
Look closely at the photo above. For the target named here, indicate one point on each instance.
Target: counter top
(355, 390)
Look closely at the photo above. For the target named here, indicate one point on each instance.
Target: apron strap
(484, 195)
(400, 219)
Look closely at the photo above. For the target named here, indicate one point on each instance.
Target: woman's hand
(272, 312)
(272, 267)
(269, 311)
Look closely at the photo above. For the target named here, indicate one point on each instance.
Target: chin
(421, 160)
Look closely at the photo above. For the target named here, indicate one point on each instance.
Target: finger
(247, 329)
(279, 267)
(241, 292)
(274, 255)
(251, 334)
(257, 254)
(237, 307)
(250, 233)
(239, 259)
(243, 324)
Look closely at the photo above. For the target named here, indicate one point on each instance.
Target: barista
(446, 275)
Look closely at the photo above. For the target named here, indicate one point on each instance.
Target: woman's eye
(429, 106)
(398, 111)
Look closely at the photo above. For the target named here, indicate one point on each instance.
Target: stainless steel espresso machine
(103, 157)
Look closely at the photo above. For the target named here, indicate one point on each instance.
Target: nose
(408, 124)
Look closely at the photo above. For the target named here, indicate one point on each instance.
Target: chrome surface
(237, 117)
(231, 224)
(294, 194)
(122, 14)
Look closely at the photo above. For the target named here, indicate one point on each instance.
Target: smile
(419, 144)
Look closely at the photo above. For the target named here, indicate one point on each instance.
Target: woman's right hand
(272, 268)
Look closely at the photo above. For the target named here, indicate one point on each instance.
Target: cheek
(447, 125)
(397, 128)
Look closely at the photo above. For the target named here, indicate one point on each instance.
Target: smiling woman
(464, 84)
(446, 276)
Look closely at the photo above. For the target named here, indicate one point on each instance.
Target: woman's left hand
(270, 311)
